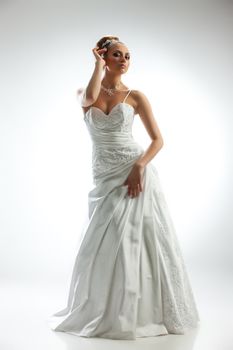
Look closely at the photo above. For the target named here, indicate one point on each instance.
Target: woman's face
(117, 58)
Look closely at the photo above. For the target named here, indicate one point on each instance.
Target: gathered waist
(113, 139)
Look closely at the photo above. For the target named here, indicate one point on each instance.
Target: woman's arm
(92, 90)
(145, 112)
(91, 93)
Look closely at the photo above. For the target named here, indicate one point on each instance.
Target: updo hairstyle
(102, 42)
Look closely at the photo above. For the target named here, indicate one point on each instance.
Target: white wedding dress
(129, 278)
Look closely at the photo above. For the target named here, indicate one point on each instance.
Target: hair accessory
(106, 42)
(110, 42)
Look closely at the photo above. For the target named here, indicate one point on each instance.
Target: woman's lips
(123, 65)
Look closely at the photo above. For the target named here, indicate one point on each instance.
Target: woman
(129, 278)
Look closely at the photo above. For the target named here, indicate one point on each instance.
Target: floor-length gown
(129, 278)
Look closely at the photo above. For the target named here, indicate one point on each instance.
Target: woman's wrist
(139, 164)
(99, 65)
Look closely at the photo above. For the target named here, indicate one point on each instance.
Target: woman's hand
(98, 55)
(134, 180)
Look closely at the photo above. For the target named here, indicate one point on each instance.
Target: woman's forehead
(119, 47)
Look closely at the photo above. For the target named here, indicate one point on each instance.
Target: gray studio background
(181, 58)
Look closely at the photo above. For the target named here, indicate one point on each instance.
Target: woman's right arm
(92, 90)
(91, 93)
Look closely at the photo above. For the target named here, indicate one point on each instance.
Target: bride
(129, 278)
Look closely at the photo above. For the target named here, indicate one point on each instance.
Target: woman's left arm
(144, 110)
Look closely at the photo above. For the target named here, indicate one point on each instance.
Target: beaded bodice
(111, 136)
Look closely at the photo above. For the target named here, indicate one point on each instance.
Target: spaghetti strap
(126, 96)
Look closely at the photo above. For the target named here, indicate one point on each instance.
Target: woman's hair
(104, 38)
(102, 41)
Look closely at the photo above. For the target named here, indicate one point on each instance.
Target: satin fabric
(129, 279)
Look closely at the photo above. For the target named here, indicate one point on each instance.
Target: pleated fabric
(129, 277)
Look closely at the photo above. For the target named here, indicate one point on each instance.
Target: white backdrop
(181, 58)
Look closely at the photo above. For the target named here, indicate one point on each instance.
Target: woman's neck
(112, 81)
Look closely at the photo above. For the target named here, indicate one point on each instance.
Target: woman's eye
(117, 53)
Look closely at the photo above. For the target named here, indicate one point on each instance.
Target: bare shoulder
(144, 109)
(141, 101)
(139, 96)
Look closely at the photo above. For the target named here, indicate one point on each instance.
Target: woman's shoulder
(139, 97)
(137, 93)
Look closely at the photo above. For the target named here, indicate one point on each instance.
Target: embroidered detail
(105, 159)
(179, 309)
(119, 119)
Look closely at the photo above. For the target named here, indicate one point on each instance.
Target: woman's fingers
(99, 51)
(133, 188)
(133, 191)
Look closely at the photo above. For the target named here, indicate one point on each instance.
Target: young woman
(129, 278)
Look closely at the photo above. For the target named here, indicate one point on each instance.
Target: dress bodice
(111, 136)
(120, 118)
